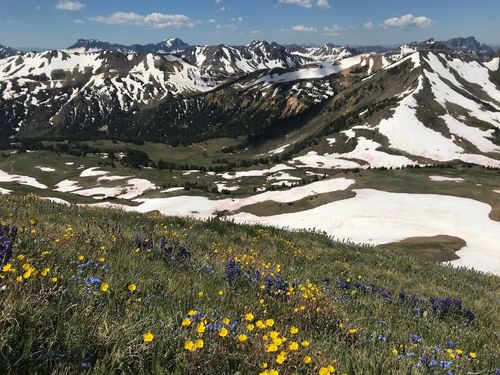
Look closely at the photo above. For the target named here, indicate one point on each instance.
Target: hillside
(102, 290)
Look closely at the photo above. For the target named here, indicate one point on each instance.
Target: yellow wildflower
(45, 272)
(189, 345)
(226, 321)
(191, 312)
(472, 355)
(394, 351)
(242, 338)
(220, 293)
(249, 317)
(281, 358)
(132, 288)
(271, 348)
(54, 279)
(293, 346)
(104, 287)
(7, 267)
(20, 257)
(250, 327)
(353, 331)
(307, 359)
(186, 322)
(19, 279)
(269, 322)
(26, 266)
(148, 336)
(81, 258)
(294, 330)
(198, 344)
(305, 344)
(223, 332)
(260, 324)
(200, 328)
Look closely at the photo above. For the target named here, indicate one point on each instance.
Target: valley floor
(396, 208)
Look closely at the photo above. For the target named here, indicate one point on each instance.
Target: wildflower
(223, 332)
(250, 327)
(472, 355)
(294, 330)
(20, 257)
(220, 293)
(199, 344)
(293, 346)
(281, 358)
(260, 324)
(45, 272)
(249, 317)
(191, 312)
(329, 370)
(269, 322)
(263, 365)
(186, 322)
(200, 328)
(201, 294)
(271, 348)
(26, 266)
(242, 338)
(307, 359)
(353, 331)
(305, 343)
(81, 258)
(226, 321)
(459, 351)
(132, 288)
(274, 334)
(102, 260)
(6, 268)
(104, 287)
(19, 279)
(394, 351)
(148, 337)
(189, 345)
(54, 279)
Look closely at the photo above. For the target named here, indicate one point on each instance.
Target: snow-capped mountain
(426, 108)
(327, 52)
(51, 87)
(422, 104)
(230, 60)
(6, 52)
(94, 45)
(457, 46)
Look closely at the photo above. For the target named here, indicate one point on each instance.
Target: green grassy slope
(71, 306)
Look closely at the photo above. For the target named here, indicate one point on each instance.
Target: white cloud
(69, 5)
(211, 20)
(304, 29)
(79, 21)
(369, 25)
(322, 4)
(335, 29)
(408, 21)
(153, 20)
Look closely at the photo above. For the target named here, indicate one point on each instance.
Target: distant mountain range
(331, 52)
(6, 51)
(94, 45)
(420, 103)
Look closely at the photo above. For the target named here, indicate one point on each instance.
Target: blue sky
(58, 23)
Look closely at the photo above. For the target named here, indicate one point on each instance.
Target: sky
(59, 23)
